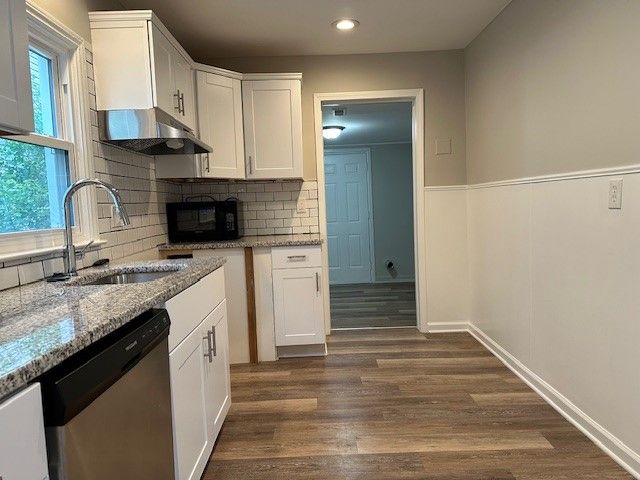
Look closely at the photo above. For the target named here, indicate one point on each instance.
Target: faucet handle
(81, 253)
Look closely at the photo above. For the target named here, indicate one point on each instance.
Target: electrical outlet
(615, 194)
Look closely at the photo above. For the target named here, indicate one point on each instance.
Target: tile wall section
(144, 198)
(268, 207)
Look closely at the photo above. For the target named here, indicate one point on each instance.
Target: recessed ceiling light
(331, 132)
(346, 24)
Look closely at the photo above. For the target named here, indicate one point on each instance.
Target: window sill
(44, 252)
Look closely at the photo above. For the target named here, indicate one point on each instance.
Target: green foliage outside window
(32, 176)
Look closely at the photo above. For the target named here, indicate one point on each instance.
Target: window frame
(52, 38)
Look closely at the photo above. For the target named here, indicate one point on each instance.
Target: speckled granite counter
(42, 324)
(252, 241)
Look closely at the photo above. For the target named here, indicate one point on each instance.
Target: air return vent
(339, 112)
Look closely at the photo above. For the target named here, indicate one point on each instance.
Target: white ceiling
(370, 123)
(231, 28)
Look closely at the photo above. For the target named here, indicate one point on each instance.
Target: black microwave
(203, 221)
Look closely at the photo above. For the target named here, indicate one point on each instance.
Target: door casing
(416, 98)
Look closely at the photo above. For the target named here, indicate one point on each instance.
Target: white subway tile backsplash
(30, 272)
(9, 277)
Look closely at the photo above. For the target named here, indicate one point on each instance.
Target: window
(36, 169)
(34, 175)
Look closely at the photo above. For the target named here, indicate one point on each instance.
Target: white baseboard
(444, 327)
(609, 443)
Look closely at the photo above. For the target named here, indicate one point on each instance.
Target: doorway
(368, 207)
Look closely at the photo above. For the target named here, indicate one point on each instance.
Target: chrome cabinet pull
(182, 103)
(297, 258)
(208, 339)
(250, 165)
(177, 97)
(208, 165)
(317, 282)
(214, 350)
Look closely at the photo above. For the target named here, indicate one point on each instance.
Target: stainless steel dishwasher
(108, 407)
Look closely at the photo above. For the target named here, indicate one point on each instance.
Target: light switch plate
(443, 146)
(615, 194)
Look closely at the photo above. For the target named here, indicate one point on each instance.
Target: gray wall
(440, 74)
(552, 87)
(392, 190)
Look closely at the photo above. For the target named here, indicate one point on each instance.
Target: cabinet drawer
(190, 307)
(295, 257)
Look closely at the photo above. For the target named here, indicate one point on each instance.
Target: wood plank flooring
(373, 305)
(396, 404)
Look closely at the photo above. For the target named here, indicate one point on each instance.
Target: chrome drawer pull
(208, 339)
(214, 348)
(297, 257)
(317, 282)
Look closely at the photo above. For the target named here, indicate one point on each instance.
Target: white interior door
(347, 186)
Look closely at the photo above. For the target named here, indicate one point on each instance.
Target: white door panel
(347, 187)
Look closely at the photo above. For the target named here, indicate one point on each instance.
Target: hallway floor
(396, 404)
(373, 305)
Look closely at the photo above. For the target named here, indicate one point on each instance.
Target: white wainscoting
(554, 290)
(446, 258)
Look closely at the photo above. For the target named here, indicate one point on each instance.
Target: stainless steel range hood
(151, 131)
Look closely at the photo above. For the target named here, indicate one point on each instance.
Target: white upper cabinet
(220, 123)
(16, 108)
(139, 65)
(272, 128)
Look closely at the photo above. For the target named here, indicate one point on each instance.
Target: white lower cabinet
(199, 366)
(188, 398)
(23, 453)
(217, 374)
(298, 307)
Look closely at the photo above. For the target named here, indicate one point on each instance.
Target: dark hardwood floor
(373, 305)
(396, 404)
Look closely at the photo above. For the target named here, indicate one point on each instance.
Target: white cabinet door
(273, 128)
(16, 108)
(218, 381)
(184, 85)
(23, 453)
(189, 405)
(165, 94)
(173, 80)
(298, 307)
(220, 122)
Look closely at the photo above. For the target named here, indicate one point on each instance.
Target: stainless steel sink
(128, 277)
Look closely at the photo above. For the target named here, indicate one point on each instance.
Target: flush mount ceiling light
(331, 132)
(346, 24)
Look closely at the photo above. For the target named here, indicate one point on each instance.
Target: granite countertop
(251, 241)
(42, 324)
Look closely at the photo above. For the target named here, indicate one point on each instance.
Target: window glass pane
(42, 92)
(33, 180)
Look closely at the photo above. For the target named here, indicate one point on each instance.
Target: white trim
(201, 67)
(41, 252)
(605, 440)
(444, 188)
(416, 97)
(374, 144)
(446, 327)
(272, 76)
(372, 256)
(556, 177)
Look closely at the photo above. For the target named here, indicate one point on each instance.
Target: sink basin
(129, 277)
